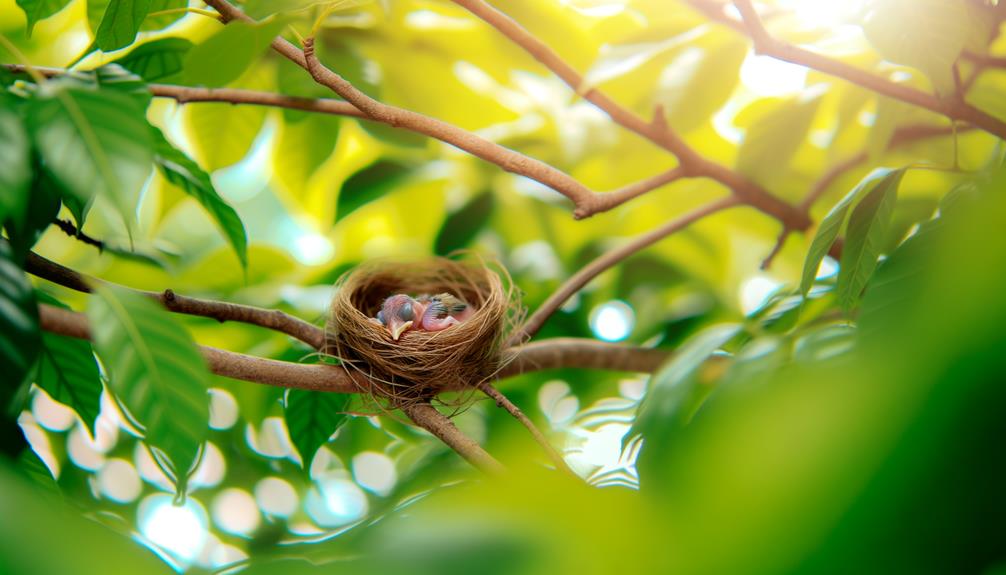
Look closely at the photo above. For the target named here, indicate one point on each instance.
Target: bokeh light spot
(612, 321)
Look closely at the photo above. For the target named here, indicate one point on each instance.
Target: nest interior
(421, 364)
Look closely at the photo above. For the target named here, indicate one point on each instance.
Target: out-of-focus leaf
(867, 229)
(120, 23)
(302, 147)
(43, 205)
(312, 417)
(181, 171)
(832, 224)
(35, 470)
(19, 330)
(259, 9)
(675, 393)
(155, 21)
(711, 71)
(156, 372)
(35, 10)
(54, 538)
(68, 372)
(94, 142)
(462, 226)
(161, 60)
(824, 343)
(925, 34)
(369, 184)
(618, 60)
(224, 56)
(15, 163)
(773, 138)
(112, 76)
(222, 133)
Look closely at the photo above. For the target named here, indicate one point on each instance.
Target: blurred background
(783, 435)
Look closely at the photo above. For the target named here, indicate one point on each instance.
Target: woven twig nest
(421, 364)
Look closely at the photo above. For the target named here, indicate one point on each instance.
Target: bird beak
(398, 328)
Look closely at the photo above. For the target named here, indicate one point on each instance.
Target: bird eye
(406, 313)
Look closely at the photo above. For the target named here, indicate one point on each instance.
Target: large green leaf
(675, 393)
(832, 225)
(15, 163)
(712, 71)
(259, 9)
(42, 208)
(68, 371)
(158, 21)
(120, 23)
(224, 56)
(93, 142)
(303, 146)
(35, 10)
(865, 237)
(773, 138)
(19, 330)
(369, 184)
(925, 34)
(183, 172)
(312, 417)
(157, 61)
(156, 372)
(461, 227)
(222, 134)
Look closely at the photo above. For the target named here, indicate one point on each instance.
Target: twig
(565, 352)
(427, 417)
(71, 230)
(764, 43)
(221, 311)
(692, 163)
(609, 259)
(504, 402)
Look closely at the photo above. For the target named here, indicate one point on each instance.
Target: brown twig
(221, 311)
(426, 416)
(609, 259)
(692, 164)
(764, 43)
(504, 402)
(67, 227)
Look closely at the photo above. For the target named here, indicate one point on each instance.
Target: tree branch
(502, 401)
(426, 416)
(764, 43)
(221, 311)
(609, 259)
(658, 132)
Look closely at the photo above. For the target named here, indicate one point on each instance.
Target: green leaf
(120, 23)
(158, 22)
(158, 61)
(712, 71)
(303, 146)
(15, 164)
(312, 417)
(35, 470)
(259, 9)
(68, 372)
(832, 224)
(94, 142)
(672, 386)
(183, 172)
(368, 185)
(156, 372)
(865, 236)
(223, 133)
(35, 10)
(925, 34)
(224, 56)
(42, 208)
(770, 142)
(462, 226)
(19, 329)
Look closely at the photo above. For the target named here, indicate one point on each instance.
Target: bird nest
(421, 364)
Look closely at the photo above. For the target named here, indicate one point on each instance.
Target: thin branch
(566, 352)
(609, 259)
(764, 43)
(427, 417)
(221, 311)
(692, 163)
(67, 227)
(504, 402)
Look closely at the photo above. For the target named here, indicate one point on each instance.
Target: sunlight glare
(180, 530)
(612, 321)
(767, 76)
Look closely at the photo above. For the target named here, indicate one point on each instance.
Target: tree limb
(426, 416)
(692, 163)
(764, 43)
(608, 259)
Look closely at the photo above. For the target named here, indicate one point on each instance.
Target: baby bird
(401, 312)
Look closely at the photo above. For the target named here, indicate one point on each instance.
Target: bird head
(399, 313)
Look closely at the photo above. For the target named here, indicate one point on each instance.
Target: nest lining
(421, 364)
